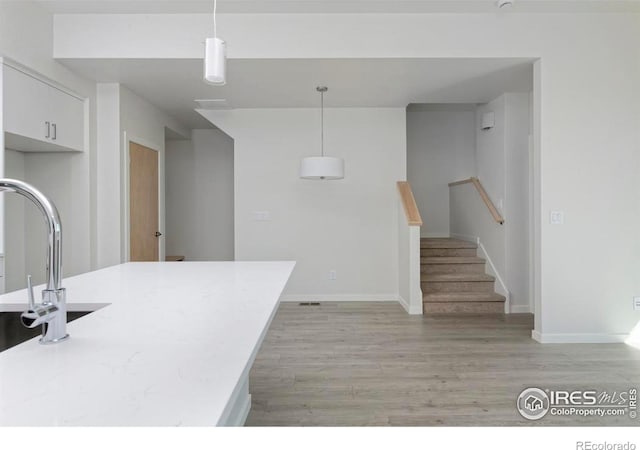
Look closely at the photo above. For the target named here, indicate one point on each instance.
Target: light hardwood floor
(356, 364)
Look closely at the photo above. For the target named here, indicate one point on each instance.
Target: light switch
(261, 216)
(556, 218)
(636, 303)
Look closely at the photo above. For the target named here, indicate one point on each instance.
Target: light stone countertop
(173, 346)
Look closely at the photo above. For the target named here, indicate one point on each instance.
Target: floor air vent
(309, 303)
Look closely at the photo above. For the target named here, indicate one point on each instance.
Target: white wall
(108, 247)
(199, 197)
(517, 201)
(25, 232)
(14, 225)
(587, 63)
(472, 221)
(503, 161)
(440, 149)
(502, 157)
(125, 117)
(490, 152)
(347, 225)
(143, 123)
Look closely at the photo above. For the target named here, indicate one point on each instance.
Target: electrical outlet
(333, 275)
(636, 303)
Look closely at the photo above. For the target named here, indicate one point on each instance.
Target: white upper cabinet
(67, 119)
(39, 117)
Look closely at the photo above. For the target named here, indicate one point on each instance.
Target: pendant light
(215, 56)
(322, 167)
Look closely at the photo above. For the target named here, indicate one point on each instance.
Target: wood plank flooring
(359, 364)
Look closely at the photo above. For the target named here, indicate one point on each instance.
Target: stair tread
(451, 260)
(445, 243)
(462, 297)
(456, 277)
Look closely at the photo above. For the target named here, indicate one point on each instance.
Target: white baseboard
(500, 286)
(416, 310)
(578, 338)
(464, 237)
(340, 298)
(521, 309)
(404, 303)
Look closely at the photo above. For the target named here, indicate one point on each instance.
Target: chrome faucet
(52, 312)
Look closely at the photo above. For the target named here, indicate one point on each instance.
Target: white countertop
(171, 347)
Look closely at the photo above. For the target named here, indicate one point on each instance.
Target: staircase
(453, 280)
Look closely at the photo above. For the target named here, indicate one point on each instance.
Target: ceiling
(173, 85)
(335, 6)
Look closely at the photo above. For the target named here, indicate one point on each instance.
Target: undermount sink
(12, 332)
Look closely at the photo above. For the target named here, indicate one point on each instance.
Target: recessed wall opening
(471, 169)
(200, 197)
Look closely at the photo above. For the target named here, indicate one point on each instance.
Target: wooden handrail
(409, 204)
(485, 197)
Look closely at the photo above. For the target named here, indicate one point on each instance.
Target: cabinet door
(25, 105)
(67, 119)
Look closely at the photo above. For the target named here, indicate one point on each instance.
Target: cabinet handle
(48, 129)
(55, 131)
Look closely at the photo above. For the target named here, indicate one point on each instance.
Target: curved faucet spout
(54, 228)
(51, 314)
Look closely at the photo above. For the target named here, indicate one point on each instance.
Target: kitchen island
(169, 344)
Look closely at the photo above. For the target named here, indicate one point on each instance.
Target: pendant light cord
(322, 123)
(215, 7)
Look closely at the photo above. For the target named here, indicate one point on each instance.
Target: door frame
(125, 199)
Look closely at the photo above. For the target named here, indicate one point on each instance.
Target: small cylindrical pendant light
(215, 56)
(215, 61)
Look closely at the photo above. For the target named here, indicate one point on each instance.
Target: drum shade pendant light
(215, 56)
(322, 167)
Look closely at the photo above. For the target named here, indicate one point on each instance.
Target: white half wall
(199, 197)
(409, 291)
(440, 149)
(348, 225)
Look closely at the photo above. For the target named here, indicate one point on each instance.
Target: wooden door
(143, 203)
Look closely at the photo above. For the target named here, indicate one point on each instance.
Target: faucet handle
(32, 302)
